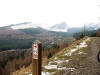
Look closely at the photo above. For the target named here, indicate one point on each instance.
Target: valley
(16, 43)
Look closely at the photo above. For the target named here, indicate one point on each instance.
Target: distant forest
(93, 33)
(15, 44)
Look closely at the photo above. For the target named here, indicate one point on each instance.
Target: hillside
(23, 38)
(67, 61)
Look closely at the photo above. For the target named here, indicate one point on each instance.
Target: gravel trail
(89, 65)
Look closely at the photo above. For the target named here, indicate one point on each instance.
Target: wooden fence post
(36, 57)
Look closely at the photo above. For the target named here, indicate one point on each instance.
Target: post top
(37, 42)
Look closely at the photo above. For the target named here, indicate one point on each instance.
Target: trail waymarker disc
(35, 51)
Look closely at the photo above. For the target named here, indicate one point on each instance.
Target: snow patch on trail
(50, 67)
(70, 52)
(45, 73)
(59, 61)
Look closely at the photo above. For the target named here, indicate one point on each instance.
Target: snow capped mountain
(93, 26)
(62, 27)
(23, 25)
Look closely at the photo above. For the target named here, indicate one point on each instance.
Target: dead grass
(75, 57)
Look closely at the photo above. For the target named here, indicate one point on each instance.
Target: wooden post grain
(36, 57)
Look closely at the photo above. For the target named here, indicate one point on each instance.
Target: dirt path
(90, 65)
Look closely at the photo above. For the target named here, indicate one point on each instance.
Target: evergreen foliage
(49, 55)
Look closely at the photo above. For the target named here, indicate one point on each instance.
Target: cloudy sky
(49, 12)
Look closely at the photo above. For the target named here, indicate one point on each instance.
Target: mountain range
(61, 27)
(29, 30)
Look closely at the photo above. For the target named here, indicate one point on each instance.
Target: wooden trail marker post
(36, 57)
